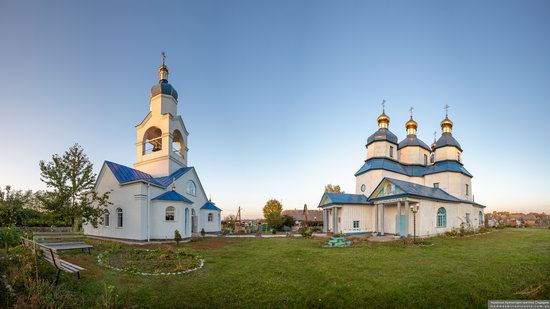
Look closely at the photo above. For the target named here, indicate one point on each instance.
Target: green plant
(273, 231)
(177, 237)
(307, 232)
(9, 237)
(109, 299)
(203, 232)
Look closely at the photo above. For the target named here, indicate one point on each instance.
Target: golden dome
(411, 124)
(446, 123)
(383, 118)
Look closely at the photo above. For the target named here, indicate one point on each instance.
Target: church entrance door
(403, 224)
(194, 222)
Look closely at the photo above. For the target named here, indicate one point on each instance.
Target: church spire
(447, 124)
(383, 119)
(411, 125)
(163, 69)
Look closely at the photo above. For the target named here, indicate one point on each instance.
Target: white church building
(400, 181)
(161, 193)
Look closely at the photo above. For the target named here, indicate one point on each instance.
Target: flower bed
(162, 261)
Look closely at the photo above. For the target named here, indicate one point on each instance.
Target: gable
(386, 188)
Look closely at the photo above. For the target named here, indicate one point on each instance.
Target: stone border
(102, 263)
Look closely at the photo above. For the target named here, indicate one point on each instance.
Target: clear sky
(280, 96)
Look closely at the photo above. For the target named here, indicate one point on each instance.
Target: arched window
(152, 140)
(441, 217)
(191, 188)
(210, 217)
(106, 219)
(178, 147)
(458, 155)
(480, 217)
(425, 159)
(170, 213)
(119, 217)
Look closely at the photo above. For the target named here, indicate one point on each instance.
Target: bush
(452, 233)
(307, 232)
(483, 229)
(109, 299)
(203, 232)
(9, 237)
(177, 237)
(273, 231)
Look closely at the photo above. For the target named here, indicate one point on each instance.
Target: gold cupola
(447, 125)
(411, 126)
(383, 119)
(163, 69)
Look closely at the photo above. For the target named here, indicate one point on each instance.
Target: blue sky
(280, 96)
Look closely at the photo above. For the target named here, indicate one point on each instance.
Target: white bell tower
(161, 145)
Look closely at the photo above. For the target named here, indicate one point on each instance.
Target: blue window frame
(441, 217)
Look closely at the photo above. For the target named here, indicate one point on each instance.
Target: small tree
(203, 232)
(333, 189)
(72, 181)
(177, 237)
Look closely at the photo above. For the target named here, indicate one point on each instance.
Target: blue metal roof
(412, 140)
(210, 206)
(126, 174)
(447, 139)
(167, 180)
(344, 198)
(413, 189)
(172, 196)
(382, 134)
(412, 170)
(165, 88)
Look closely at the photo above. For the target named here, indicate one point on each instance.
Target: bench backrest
(50, 255)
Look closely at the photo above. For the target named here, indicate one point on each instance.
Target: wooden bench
(62, 241)
(52, 257)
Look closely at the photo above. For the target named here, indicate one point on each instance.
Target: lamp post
(414, 209)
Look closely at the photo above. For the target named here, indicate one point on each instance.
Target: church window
(480, 217)
(425, 159)
(119, 217)
(467, 189)
(363, 188)
(355, 224)
(152, 140)
(391, 151)
(441, 217)
(458, 156)
(106, 219)
(170, 213)
(432, 158)
(191, 188)
(436, 184)
(178, 147)
(210, 217)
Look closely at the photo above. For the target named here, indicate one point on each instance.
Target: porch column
(407, 211)
(335, 220)
(325, 220)
(382, 219)
(376, 226)
(398, 219)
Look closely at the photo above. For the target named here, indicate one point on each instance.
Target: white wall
(381, 149)
(210, 226)
(448, 153)
(413, 155)
(350, 213)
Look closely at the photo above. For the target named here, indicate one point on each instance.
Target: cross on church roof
(163, 57)
(411, 110)
(383, 106)
(446, 108)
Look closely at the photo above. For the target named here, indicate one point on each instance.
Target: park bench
(62, 240)
(52, 257)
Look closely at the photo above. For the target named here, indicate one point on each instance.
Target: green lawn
(263, 273)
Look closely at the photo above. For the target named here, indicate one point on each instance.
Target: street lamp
(414, 209)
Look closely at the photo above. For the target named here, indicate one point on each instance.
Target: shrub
(452, 233)
(109, 299)
(9, 237)
(273, 231)
(307, 232)
(483, 229)
(177, 237)
(203, 232)
(241, 232)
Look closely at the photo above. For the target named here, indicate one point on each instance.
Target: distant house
(529, 220)
(314, 217)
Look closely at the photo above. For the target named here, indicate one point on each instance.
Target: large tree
(14, 206)
(333, 189)
(272, 213)
(72, 197)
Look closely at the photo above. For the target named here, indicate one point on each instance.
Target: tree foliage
(333, 188)
(71, 179)
(272, 213)
(17, 207)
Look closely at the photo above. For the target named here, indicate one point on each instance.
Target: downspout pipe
(148, 215)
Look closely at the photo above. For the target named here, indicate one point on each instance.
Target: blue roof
(126, 174)
(343, 198)
(413, 189)
(412, 170)
(210, 206)
(172, 196)
(447, 139)
(412, 140)
(383, 134)
(163, 87)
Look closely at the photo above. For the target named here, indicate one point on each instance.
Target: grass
(284, 272)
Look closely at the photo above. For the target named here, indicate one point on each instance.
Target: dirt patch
(211, 243)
